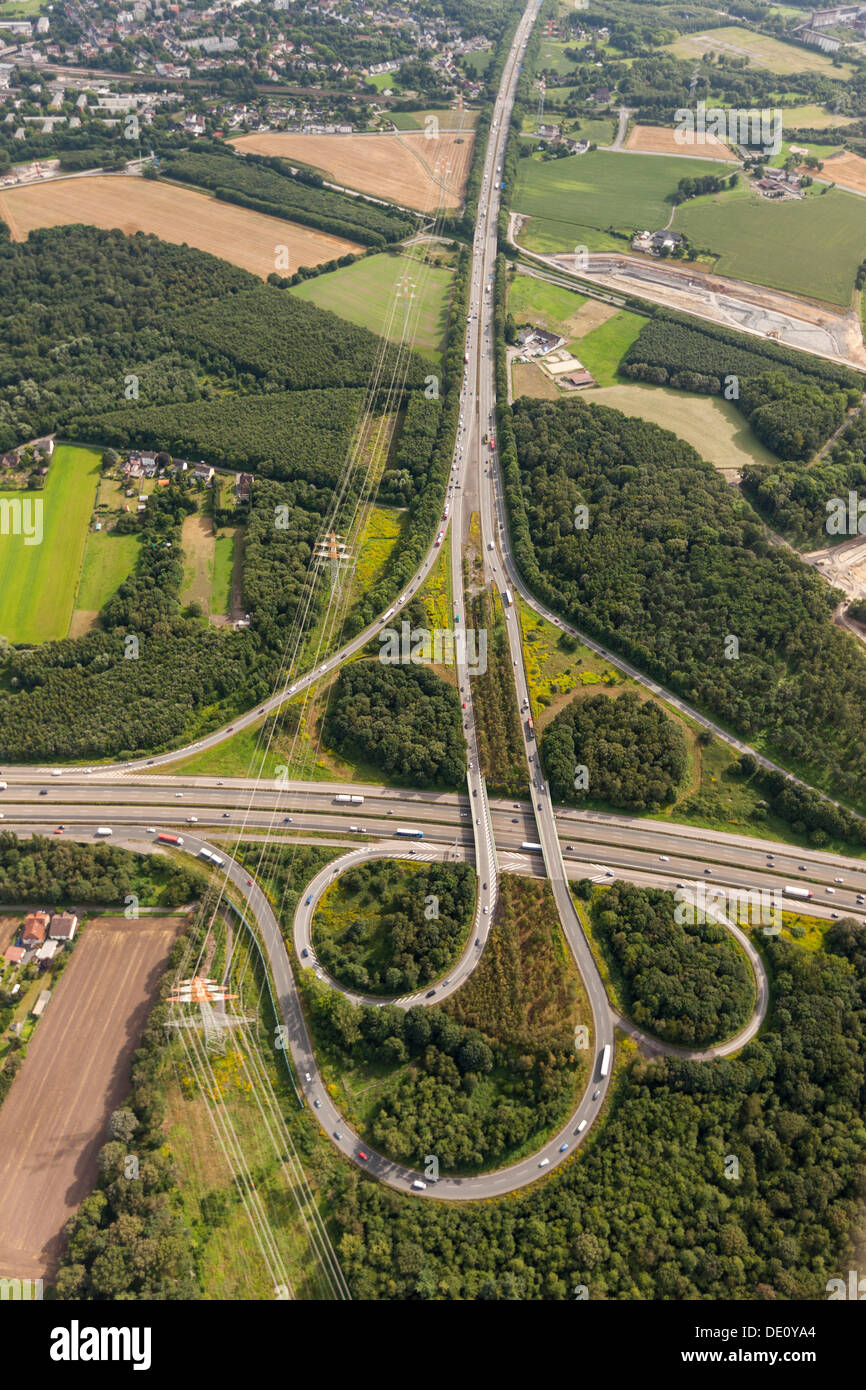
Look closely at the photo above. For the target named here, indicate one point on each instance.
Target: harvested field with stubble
(179, 215)
(403, 168)
(846, 169)
(659, 139)
(53, 1121)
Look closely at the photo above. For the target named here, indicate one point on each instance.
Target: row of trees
(268, 185)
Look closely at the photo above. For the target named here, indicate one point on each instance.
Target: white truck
(103, 831)
(343, 800)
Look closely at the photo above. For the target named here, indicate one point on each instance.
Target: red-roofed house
(35, 927)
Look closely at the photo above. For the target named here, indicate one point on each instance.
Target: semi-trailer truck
(166, 839)
(604, 1068)
(792, 890)
(344, 800)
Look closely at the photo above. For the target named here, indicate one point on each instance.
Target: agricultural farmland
(52, 1124)
(812, 247)
(760, 50)
(379, 291)
(405, 168)
(578, 200)
(247, 239)
(38, 582)
(657, 139)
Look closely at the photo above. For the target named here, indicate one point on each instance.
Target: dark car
(429, 994)
(44, 791)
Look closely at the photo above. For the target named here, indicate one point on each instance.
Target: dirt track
(52, 1123)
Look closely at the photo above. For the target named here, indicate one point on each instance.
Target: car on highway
(429, 994)
(304, 951)
(514, 820)
(364, 1157)
(337, 1134)
(581, 1127)
(596, 1094)
(708, 871)
(544, 1163)
(249, 883)
(486, 910)
(838, 880)
(151, 830)
(226, 815)
(58, 830)
(829, 890)
(562, 1148)
(309, 900)
(307, 1076)
(317, 1103)
(230, 729)
(664, 859)
(44, 791)
(192, 820)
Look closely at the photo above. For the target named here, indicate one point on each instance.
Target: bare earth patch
(405, 168)
(180, 215)
(198, 554)
(589, 316)
(529, 380)
(83, 620)
(53, 1121)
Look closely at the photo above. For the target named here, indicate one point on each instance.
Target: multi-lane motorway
(136, 800)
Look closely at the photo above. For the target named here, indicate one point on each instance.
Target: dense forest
(672, 566)
(269, 186)
(230, 370)
(801, 501)
(403, 720)
(390, 927)
(634, 756)
(478, 1076)
(792, 402)
(651, 1209)
(688, 984)
(49, 872)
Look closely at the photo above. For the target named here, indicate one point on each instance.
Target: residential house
(35, 927)
(63, 926)
(13, 955)
(243, 486)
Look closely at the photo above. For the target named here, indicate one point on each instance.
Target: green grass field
(760, 50)
(714, 427)
(362, 293)
(573, 201)
(38, 582)
(223, 565)
(108, 561)
(602, 349)
(811, 247)
(551, 305)
(811, 117)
